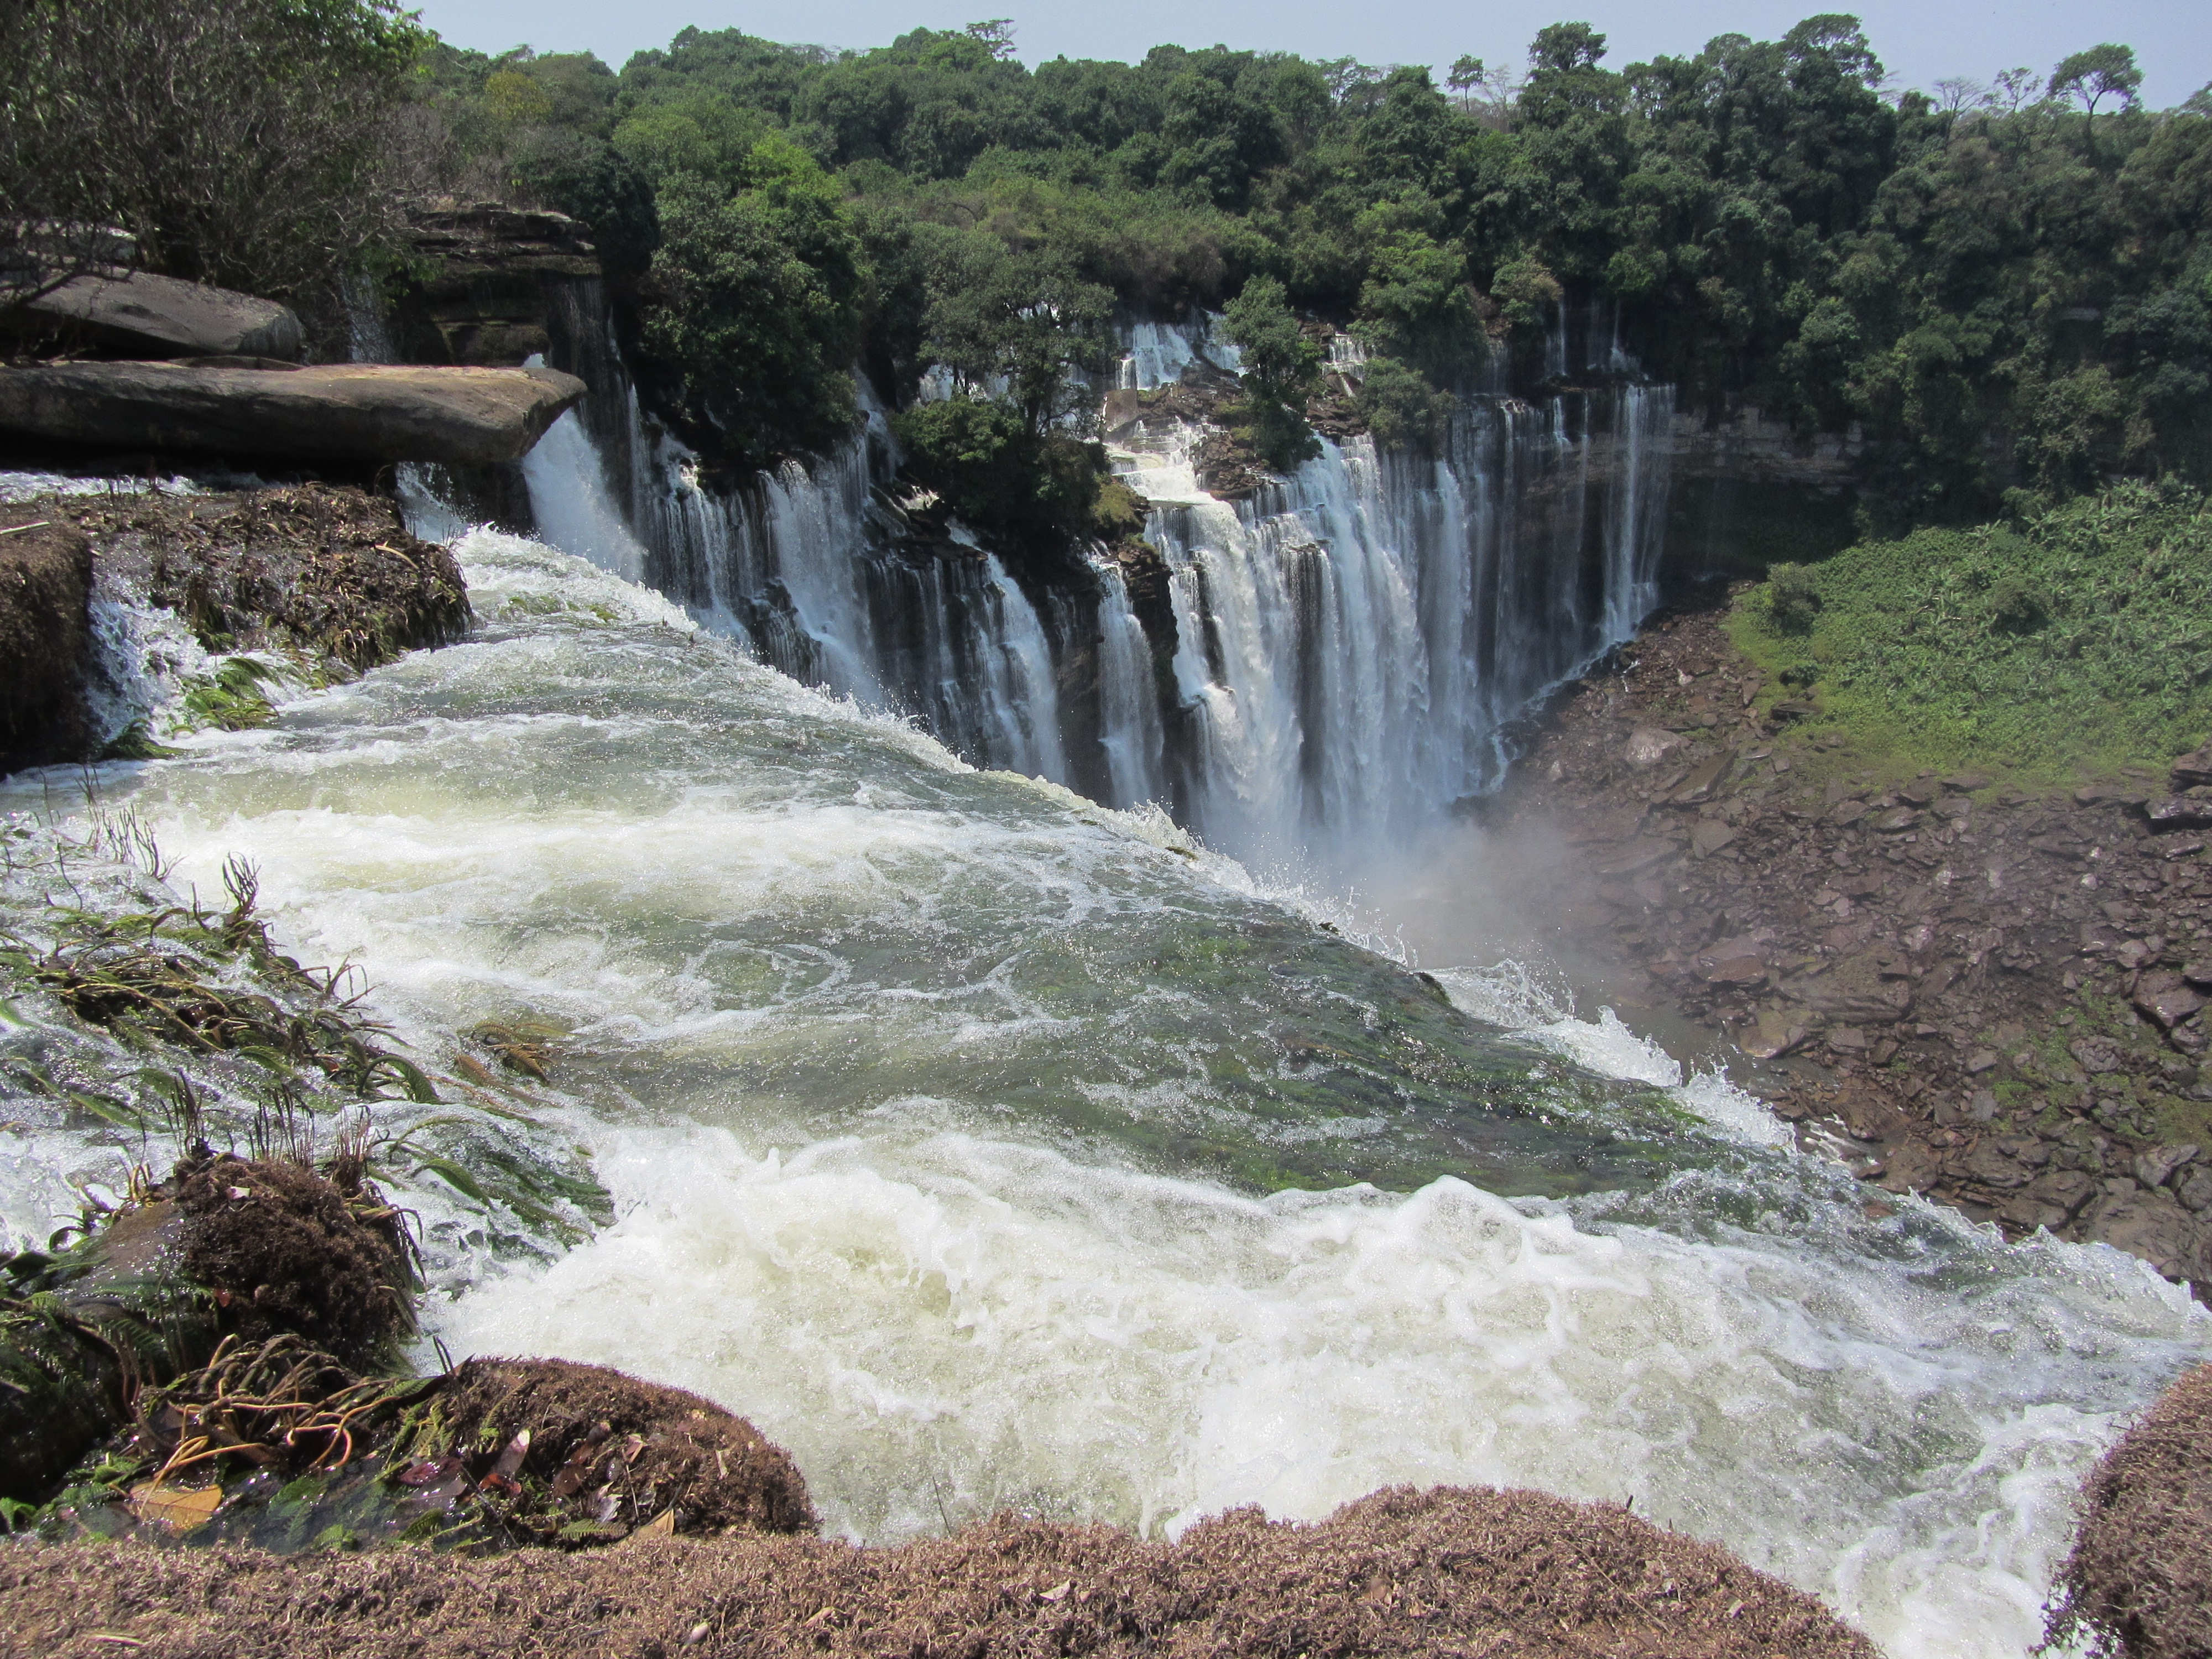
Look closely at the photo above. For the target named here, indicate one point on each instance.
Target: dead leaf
(510, 1461)
(818, 1618)
(175, 1507)
(662, 1525)
(1058, 1592)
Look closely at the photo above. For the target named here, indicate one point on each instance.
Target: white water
(1349, 648)
(1354, 644)
(870, 1048)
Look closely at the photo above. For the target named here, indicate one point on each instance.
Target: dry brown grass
(1448, 1571)
(2141, 1573)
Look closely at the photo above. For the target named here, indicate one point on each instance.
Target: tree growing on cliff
(1281, 369)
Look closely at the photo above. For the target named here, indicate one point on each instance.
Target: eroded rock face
(142, 315)
(45, 638)
(356, 412)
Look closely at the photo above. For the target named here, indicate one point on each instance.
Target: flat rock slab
(346, 412)
(150, 316)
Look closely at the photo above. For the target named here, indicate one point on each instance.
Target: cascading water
(1354, 642)
(990, 1148)
(1348, 648)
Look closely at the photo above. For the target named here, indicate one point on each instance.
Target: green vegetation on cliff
(2079, 641)
(2008, 294)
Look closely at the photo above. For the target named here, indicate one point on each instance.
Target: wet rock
(2152, 1225)
(351, 412)
(140, 315)
(2196, 1192)
(1778, 1031)
(1987, 1165)
(2155, 1167)
(1640, 854)
(2049, 1201)
(45, 639)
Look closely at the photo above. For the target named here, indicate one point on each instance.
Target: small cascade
(1130, 732)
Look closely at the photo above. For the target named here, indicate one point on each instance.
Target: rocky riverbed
(1984, 993)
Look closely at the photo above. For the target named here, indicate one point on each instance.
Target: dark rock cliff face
(497, 285)
(45, 637)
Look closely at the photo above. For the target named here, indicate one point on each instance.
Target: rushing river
(989, 1148)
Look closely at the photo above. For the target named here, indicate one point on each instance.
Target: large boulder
(45, 638)
(146, 316)
(339, 412)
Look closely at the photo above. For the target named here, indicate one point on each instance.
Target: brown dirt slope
(1501, 1574)
(1987, 994)
(2141, 1568)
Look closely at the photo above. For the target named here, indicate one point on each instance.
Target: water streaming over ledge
(1337, 659)
(989, 1147)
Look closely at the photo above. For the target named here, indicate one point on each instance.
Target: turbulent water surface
(987, 1147)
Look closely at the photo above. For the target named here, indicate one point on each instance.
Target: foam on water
(941, 1326)
(858, 1032)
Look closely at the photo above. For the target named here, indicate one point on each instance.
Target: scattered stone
(1965, 783)
(2155, 1167)
(1778, 1031)
(1702, 780)
(1649, 747)
(2170, 1005)
(1710, 835)
(2178, 812)
(1636, 855)
(2194, 767)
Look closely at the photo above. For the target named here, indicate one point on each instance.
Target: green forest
(2007, 288)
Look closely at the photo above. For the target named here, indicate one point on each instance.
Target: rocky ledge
(324, 577)
(1989, 994)
(253, 407)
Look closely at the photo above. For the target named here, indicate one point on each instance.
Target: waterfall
(1353, 643)
(1128, 697)
(1328, 665)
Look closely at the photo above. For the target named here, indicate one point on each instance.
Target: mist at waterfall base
(913, 1083)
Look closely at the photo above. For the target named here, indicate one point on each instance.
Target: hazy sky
(1921, 41)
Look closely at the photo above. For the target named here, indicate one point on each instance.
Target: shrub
(988, 466)
(1401, 409)
(1793, 598)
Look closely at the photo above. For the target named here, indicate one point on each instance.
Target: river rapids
(990, 1148)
